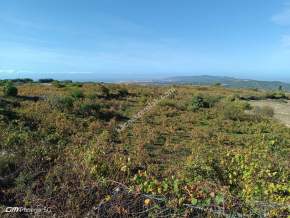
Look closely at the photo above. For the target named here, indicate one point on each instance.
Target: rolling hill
(224, 81)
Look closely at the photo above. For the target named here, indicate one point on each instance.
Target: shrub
(123, 92)
(10, 89)
(251, 97)
(76, 84)
(105, 92)
(58, 84)
(233, 111)
(7, 114)
(174, 104)
(61, 103)
(276, 95)
(92, 95)
(217, 84)
(88, 109)
(233, 97)
(77, 94)
(245, 105)
(200, 101)
(168, 102)
(197, 103)
(7, 164)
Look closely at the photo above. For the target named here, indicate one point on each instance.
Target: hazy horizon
(87, 77)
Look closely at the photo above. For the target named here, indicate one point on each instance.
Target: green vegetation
(45, 80)
(10, 89)
(199, 152)
(58, 84)
(276, 95)
(200, 101)
(77, 94)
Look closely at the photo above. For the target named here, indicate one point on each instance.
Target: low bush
(77, 94)
(7, 164)
(88, 109)
(76, 84)
(105, 92)
(58, 84)
(251, 97)
(61, 102)
(276, 95)
(92, 95)
(123, 92)
(201, 101)
(234, 110)
(10, 89)
(173, 103)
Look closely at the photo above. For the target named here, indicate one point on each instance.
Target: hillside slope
(225, 81)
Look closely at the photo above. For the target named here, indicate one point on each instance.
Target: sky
(146, 39)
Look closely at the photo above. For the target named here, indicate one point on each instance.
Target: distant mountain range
(224, 81)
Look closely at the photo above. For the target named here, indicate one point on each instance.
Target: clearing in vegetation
(281, 109)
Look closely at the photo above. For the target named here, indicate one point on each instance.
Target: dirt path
(281, 110)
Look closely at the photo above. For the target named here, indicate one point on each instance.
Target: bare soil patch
(281, 109)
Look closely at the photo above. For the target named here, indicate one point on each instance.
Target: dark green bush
(251, 97)
(217, 84)
(7, 164)
(197, 103)
(123, 92)
(276, 95)
(201, 101)
(10, 89)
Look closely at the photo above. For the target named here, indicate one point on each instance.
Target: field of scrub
(195, 152)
